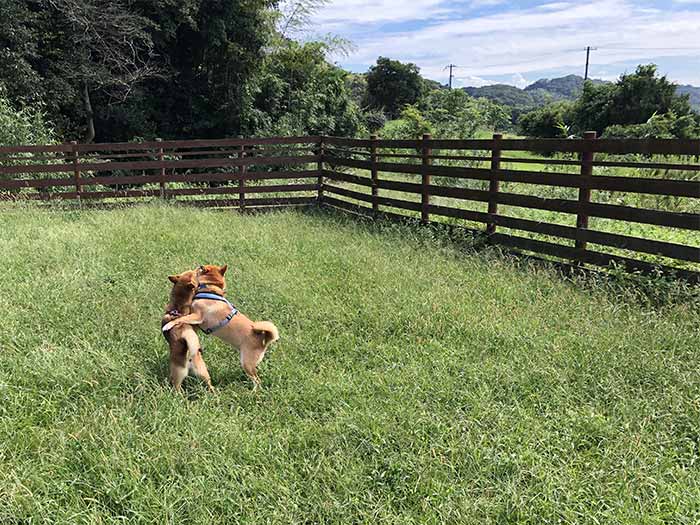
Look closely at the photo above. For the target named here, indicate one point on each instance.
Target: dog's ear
(173, 278)
(223, 269)
(202, 269)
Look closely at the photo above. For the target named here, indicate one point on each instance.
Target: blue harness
(216, 297)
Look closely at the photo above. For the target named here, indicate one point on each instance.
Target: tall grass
(415, 382)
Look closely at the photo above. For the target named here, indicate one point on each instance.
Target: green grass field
(415, 381)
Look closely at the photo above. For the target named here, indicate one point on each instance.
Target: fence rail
(464, 181)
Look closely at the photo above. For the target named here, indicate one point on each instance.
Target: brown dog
(185, 350)
(214, 314)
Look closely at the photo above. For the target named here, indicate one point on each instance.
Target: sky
(500, 41)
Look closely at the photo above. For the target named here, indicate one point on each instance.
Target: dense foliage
(391, 85)
(22, 126)
(299, 92)
(113, 70)
(642, 104)
(550, 121)
(181, 68)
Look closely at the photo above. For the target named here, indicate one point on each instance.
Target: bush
(411, 125)
(22, 126)
(552, 121)
(454, 114)
(667, 126)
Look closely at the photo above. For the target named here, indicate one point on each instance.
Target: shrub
(22, 126)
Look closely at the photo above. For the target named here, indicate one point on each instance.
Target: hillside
(693, 92)
(536, 94)
(511, 96)
(568, 87)
(548, 90)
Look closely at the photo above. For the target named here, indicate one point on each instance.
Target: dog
(185, 350)
(214, 314)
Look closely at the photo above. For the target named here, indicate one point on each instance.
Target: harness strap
(217, 297)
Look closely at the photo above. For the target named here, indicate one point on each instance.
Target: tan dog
(214, 314)
(185, 350)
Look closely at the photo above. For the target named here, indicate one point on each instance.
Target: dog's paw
(169, 326)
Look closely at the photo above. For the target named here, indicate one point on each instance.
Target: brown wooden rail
(481, 180)
(484, 184)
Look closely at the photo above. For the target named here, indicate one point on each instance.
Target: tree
(551, 121)
(183, 68)
(392, 85)
(112, 51)
(411, 125)
(299, 92)
(454, 114)
(632, 100)
(20, 126)
(62, 52)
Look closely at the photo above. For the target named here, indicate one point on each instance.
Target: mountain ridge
(545, 91)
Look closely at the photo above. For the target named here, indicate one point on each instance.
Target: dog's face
(186, 280)
(212, 275)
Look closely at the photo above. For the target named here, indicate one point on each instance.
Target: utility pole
(588, 60)
(451, 66)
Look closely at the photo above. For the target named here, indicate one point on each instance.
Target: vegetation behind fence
(570, 205)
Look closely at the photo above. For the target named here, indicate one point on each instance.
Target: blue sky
(499, 41)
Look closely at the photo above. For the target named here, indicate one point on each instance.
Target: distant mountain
(537, 94)
(568, 87)
(693, 92)
(548, 90)
(509, 95)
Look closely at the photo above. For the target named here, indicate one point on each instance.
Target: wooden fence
(570, 206)
(185, 171)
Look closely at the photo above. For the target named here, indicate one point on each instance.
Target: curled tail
(267, 331)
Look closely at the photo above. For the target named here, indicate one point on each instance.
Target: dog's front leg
(185, 319)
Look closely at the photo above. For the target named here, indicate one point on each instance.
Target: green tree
(632, 100)
(181, 68)
(299, 93)
(392, 85)
(21, 126)
(551, 121)
(411, 125)
(454, 114)
(67, 53)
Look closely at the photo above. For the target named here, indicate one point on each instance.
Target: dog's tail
(267, 330)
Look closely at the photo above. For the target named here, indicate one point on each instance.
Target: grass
(414, 382)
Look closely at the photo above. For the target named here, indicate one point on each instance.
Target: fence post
(584, 196)
(319, 167)
(375, 173)
(425, 182)
(494, 183)
(161, 175)
(241, 181)
(76, 170)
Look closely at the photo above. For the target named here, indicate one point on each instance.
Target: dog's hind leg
(199, 367)
(177, 376)
(250, 358)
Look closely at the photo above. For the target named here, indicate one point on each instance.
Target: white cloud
(345, 12)
(520, 81)
(485, 3)
(521, 41)
(472, 81)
